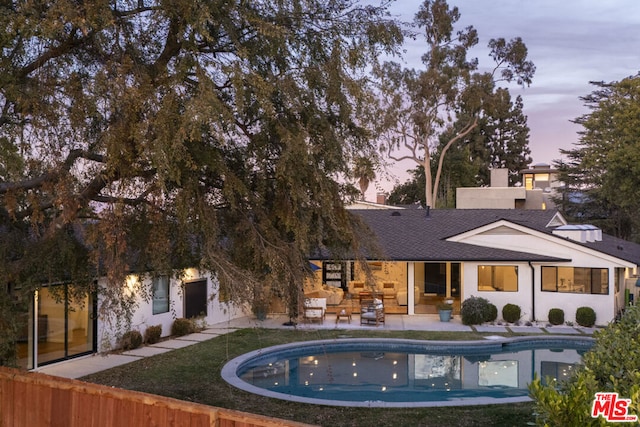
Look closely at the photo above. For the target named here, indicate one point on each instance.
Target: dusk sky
(571, 43)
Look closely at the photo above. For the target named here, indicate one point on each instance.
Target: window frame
(156, 308)
(584, 274)
(492, 272)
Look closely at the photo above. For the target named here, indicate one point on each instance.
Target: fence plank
(28, 399)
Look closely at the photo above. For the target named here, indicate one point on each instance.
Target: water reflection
(404, 376)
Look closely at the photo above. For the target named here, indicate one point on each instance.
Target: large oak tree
(148, 135)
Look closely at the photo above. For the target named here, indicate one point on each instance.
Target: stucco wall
(143, 316)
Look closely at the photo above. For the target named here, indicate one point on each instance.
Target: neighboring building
(540, 184)
(58, 329)
(532, 258)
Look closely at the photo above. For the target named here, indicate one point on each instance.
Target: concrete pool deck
(86, 365)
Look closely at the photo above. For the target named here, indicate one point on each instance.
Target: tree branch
(54, 175)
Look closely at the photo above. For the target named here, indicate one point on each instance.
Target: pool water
(360, 372)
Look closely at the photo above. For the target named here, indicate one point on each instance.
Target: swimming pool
(405, 373)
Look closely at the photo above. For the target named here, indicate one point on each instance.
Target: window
(580, 280)
(503, 278)
(160, 294)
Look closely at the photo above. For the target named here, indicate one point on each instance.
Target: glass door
(66, 325)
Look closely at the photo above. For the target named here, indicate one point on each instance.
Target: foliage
(131, 340)
(152, 334)
(410, 192)
(511, 313)
(153, 136)
(474, 310)
(418, 107)
(181, 327)
(364, 172)
(9, 328)
(601, 172)
(501, 140)
(585, 316)
(492, 313)
(556, 316)
(569, 402)
(444, 306)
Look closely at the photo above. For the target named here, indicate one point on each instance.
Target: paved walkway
(81, 366)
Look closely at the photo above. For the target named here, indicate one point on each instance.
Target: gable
(502, 230)
(515, 237)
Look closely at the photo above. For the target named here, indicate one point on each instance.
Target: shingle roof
(418, 235)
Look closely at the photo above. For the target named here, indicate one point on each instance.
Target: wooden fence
(32, 399)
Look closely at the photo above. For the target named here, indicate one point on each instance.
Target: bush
(556, 316)
(492, 313)
(182, 327)
(131, 340)
(569, 402)
(474, 310)
(152, 334)
(585, 316)
(511, 313)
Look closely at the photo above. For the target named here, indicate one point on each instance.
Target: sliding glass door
(66, 325)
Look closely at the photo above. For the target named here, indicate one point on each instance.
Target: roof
(420, 235)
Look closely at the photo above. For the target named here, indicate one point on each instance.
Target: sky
(571, 43)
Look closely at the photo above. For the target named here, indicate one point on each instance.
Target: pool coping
(230, 369)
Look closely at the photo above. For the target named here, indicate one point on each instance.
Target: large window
(160, 294)
(580, 280)
(502, 278)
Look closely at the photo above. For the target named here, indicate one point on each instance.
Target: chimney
(500, 177)
(381, 198)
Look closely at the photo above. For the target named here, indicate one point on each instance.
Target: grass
(193, 374)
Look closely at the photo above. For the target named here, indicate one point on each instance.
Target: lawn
(193, 374)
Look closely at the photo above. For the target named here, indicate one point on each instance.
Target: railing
(32, 399)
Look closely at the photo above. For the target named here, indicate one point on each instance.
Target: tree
(501, 139)
(418, 106)
(364, 172)
(151, 135)
(602, 171)
(410, 192)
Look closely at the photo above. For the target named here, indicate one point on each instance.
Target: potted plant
(444, 310)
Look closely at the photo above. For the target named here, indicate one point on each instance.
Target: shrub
(131, 340)
(556, 316)
(570, 402)
(585, 316)
(492, 313)
(474, 310)
(182, 327)
(152, 334)
(511, 313)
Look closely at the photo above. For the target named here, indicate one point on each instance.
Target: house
(538, 192)
(531, 258)
(61, 327)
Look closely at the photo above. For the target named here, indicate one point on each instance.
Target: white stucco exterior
(534, 302)
(143, 316)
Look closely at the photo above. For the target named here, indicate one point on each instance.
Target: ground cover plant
(193, 374)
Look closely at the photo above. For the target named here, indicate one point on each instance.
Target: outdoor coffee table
(343, 314)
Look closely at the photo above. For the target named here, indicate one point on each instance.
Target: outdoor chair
(314, 309)
(371, 311)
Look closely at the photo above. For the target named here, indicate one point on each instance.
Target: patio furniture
(371, 311)
(356, 286)
(314, 309)
(345, 313)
